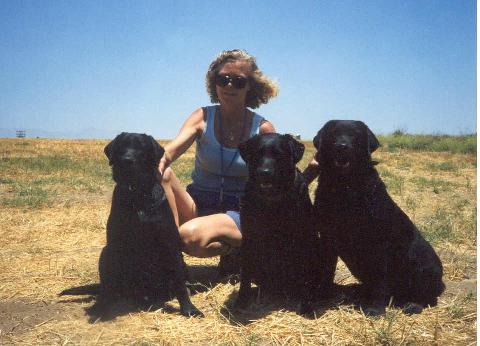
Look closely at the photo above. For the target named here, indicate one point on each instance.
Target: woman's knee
(207, 236)
(191, 236)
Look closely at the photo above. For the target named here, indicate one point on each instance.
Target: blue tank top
(207, 172)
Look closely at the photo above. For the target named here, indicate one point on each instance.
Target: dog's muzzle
(265, 178)
(342, 155)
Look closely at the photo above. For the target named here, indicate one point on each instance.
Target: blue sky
(101, 67)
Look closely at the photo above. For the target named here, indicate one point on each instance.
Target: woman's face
(230, 94)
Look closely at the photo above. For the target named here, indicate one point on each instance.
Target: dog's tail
(90, 289)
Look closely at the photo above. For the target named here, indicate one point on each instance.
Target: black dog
(363, 226)
(142, 259)
(278, 241)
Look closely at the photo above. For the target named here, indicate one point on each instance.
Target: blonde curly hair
(262, 89)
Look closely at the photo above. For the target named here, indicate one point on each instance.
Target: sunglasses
(237, 82)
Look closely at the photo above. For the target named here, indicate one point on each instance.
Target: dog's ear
(317, 140)
(297, 149)
(157, 150)
(321, 137)
(109, 148)
(373, 142)
(246, 148)
(317, 143)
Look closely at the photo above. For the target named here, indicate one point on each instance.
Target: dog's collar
(138, 188)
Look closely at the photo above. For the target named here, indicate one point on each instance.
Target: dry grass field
(54, 203)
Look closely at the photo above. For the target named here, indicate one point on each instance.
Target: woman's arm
(191, 128)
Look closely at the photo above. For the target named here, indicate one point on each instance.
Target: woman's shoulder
(202, 113)
(199, 116)
(196, 121)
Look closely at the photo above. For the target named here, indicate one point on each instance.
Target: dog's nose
(130, 155)
(341, 146)
(126, 163)
(264, 172)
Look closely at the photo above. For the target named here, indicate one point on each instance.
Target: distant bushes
(466, 144)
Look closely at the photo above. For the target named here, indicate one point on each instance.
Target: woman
(207, 211)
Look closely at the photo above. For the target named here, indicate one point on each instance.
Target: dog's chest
(135, 220)
(277, 244)
(352, 229)
(273, 220)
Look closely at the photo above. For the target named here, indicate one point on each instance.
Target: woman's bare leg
(209, 236)
(180, 201)
(205, 236)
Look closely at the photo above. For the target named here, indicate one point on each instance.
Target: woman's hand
(311, 171)
(163, 164)
(266, 127)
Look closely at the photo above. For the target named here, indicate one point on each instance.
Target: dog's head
(134, 158)
(271, 160)
(345, 146)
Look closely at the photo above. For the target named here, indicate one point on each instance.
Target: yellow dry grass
(53, 227)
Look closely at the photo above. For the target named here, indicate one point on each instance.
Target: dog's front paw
(244, 295)
(188, 309)
(241, 303)
(412, 308)
(306, 309)
(191, 311)
(374, 311)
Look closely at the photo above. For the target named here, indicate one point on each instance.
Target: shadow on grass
(352, 296)
(202, 278)
(105, 308)
(262, 305)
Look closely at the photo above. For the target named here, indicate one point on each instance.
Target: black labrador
(362, 225)
(142, 258)
(278, 249)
